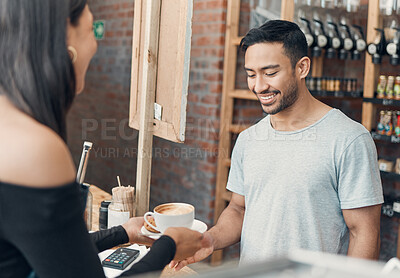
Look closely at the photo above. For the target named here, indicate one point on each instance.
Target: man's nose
(260, 85)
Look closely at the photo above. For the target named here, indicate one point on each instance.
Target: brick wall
(100, 113)
(180, 172)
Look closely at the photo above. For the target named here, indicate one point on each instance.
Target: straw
(124, 195)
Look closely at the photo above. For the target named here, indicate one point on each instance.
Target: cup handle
(149, 213)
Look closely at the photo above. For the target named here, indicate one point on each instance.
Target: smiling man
(306, 176)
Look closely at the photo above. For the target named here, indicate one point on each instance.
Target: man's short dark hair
(279, 31)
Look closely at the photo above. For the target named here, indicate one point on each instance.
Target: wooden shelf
(339, 95)
(383, 101)
(227, 162)
(236, 41)
(243, 94)
(385, 138)
(238, 128)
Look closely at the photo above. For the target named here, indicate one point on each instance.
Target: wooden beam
(287, 10)
(147, 93)
(371, 70)
(398, 242)
(230, 59)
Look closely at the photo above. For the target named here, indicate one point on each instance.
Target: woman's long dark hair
(36, 73)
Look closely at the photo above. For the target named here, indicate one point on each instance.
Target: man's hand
(132, 228)
(204, 252)
(187, 241)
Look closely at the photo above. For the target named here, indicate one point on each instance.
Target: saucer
(198, 225)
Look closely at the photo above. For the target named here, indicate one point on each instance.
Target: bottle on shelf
(348, 43)
(397, 128)
(378, 48)
(390, 87)
(381, 88)
(309, 34)
(336, 43)
(322, 40)
(381, 127)
(393, 48)
(388, 123)
(359, 42)
(396, 88)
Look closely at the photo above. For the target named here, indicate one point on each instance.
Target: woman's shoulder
(32, 154)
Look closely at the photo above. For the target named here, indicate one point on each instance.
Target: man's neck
(304, 112)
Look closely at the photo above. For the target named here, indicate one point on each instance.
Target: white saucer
(198, 225)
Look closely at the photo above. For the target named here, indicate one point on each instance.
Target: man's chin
(270, 109)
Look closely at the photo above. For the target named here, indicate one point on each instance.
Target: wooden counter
(99, 196)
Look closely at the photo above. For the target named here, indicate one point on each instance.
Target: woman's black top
(42, 230)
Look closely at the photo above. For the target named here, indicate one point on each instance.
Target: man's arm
(226, 232)
(364, 226)
(228, 229)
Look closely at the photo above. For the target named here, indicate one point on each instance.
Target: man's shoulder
(339, 125)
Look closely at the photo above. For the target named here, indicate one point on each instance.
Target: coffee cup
(171, 215)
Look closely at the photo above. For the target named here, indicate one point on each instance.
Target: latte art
(174, 209)
(171, 215)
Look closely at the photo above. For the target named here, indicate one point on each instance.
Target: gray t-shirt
(296, 184)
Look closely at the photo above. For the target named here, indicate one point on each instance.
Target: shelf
(243, 94)
(236, 128)
(338, 95)
(383, 101)
(385, 138)
(236, 41)
(390, 176)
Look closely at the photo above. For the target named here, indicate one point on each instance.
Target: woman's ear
(303, 67)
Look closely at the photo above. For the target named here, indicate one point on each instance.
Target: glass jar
(120, 211)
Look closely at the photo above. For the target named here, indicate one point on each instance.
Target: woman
(45, 50)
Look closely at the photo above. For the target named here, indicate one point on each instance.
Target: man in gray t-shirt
(306, 176)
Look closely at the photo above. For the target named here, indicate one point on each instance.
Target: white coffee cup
(171, 215)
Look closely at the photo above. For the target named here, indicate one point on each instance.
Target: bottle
(381, 86)
(103, 214)
(390, 87)
(318, 84)
(337, 85)
(389, 124)
(397, 128)
(381, 126)
(397, 88)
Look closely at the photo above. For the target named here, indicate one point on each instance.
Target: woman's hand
(133, 227)
(187, 241)
(204, 252)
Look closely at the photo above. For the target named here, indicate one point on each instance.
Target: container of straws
(123, 205)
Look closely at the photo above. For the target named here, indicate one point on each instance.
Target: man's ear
(303, 67)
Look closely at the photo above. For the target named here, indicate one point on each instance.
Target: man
(306, 176)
